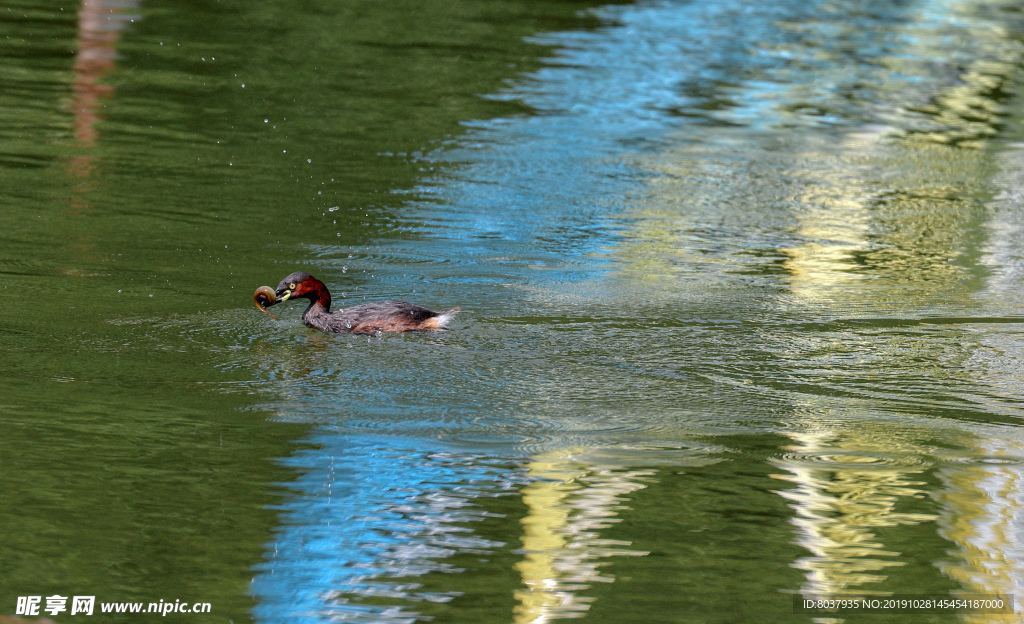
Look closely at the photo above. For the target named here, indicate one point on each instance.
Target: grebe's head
(298, 285)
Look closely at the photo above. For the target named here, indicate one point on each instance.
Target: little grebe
(369, 318)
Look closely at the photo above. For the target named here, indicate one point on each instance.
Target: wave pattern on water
(746, 272)
(720, 220)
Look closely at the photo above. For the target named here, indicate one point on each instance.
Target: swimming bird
(369, 318)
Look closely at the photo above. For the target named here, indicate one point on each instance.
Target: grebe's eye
(291, 286)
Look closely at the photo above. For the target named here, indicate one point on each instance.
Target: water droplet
(266, 121)
(344, 269)
(309, 160)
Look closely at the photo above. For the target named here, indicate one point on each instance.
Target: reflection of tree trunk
(848, 490)
(983, 517)
(983, 501)
(97, 36)
(100, 23)
(568, 505)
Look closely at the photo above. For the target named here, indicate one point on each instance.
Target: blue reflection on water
(369, 515)
(372, 513)
(557, 179)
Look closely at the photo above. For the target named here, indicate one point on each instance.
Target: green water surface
(739, 287)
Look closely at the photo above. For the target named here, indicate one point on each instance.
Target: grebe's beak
(283, 295)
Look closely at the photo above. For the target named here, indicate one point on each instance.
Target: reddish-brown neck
(317, 293)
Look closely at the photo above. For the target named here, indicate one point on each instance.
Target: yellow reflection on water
(891, 202)
(885, 219)
(969, 112)
(983, 515)
(849, 484)
(836, 227)
(569, 503)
